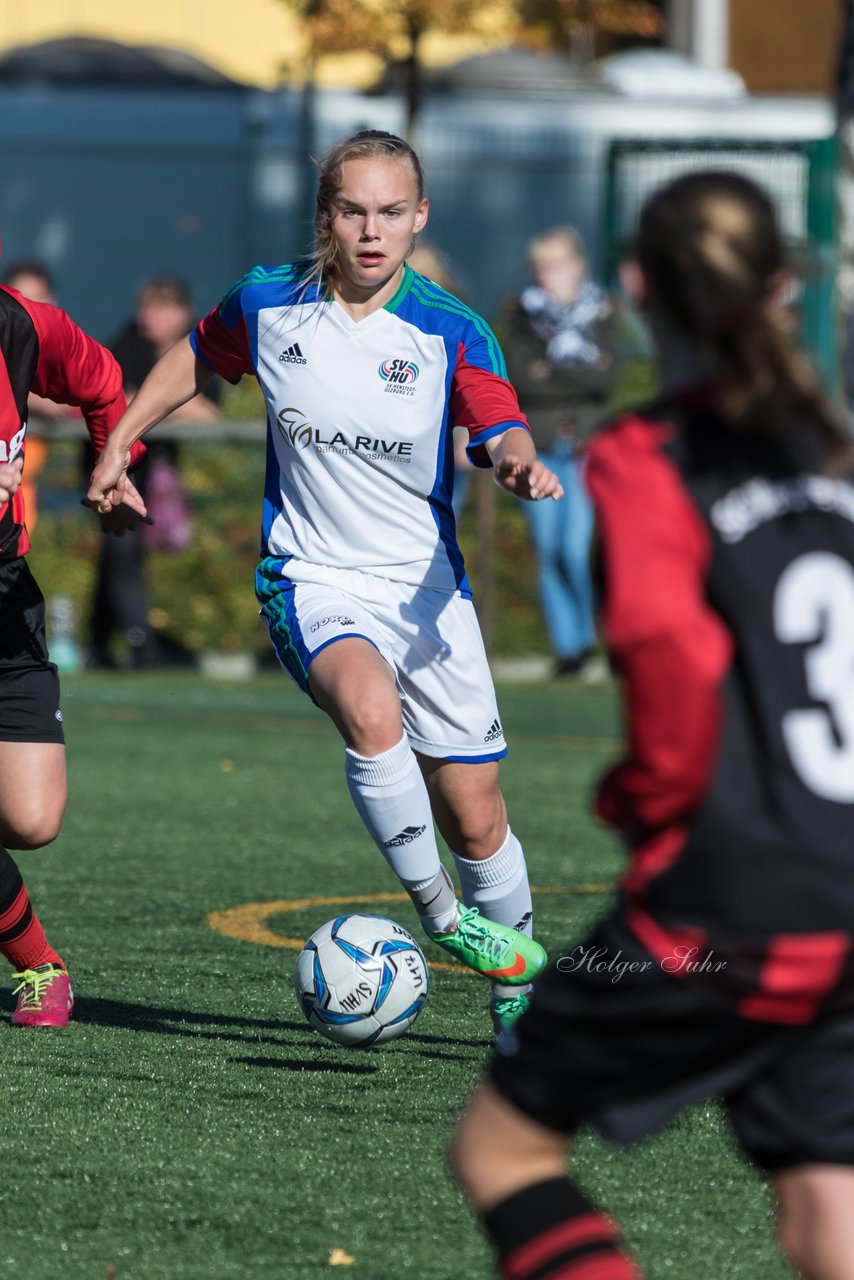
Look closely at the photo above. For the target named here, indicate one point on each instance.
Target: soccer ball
(361, 980)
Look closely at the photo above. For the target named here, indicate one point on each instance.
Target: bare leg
(816, 1220)
(472, 816)
(497, 1150)
(514, 1171)
(32, 802)
(33, 792)
(468, 805)
(355, 686)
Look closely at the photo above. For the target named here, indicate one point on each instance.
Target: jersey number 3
(814, 602)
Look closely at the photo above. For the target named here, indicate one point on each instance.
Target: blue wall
(109, 186)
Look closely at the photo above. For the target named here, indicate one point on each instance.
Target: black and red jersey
(43, 350)
(728, 594)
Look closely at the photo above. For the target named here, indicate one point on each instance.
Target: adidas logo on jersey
(293, 355)
(406, 836)
(494, 733)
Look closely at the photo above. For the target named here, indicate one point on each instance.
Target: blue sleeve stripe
(200, 355)
(476, 451)
(432, 296)
(259, 275)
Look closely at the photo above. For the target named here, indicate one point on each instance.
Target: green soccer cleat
(506, 1010)
(495, 950)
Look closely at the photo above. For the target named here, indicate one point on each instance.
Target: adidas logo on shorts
(406, 836)
(293, 355)
(494, 733)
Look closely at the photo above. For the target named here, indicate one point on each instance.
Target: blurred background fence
(110, 186)
(800, 176)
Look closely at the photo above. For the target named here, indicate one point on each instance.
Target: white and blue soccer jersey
(360, 420)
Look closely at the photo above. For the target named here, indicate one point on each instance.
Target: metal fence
(110, 186)
(799, 176)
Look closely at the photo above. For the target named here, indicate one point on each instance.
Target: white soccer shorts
(431, 641)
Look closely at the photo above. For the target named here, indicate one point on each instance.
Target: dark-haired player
(727, 527)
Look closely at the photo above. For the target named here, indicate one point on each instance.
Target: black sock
(22, 939)
(550, 1231)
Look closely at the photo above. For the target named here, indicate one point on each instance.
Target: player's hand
(10, 477)
(109, 486)
(530, 481)
(126, 514)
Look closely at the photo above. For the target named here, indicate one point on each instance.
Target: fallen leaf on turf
(338, 1258)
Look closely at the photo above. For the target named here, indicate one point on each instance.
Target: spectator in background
(33, 279)
(560, 344)
(432, 263)
(164, 314)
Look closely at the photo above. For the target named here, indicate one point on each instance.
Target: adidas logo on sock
(406, 836)
(494, 733)
(293, 355)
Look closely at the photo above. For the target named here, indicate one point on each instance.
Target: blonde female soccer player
(366, 367)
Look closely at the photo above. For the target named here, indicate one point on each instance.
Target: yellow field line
(248, 923)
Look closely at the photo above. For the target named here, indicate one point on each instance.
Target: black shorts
(29, 685)
(613, 1041)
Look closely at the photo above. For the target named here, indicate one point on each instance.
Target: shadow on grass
(313, 1064)
(159, 1020)
(178, 1022)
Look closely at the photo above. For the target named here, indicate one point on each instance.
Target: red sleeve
(671, 647)
(485, 403)
(75, 369)
(222, 346)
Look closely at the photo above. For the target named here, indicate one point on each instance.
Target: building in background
(121, 161)
(785, 46)
(256, 42)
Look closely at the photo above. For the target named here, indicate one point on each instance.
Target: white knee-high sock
(391, 799)
(498, 885)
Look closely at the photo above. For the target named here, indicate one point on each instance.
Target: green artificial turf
(189, 1125)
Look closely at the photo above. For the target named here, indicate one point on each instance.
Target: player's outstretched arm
(175, 379)
(518, 470)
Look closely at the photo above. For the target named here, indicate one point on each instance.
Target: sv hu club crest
(403, 372)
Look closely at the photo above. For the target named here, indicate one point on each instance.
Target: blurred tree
(392, 29)
(574, 25)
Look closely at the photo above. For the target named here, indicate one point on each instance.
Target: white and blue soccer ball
(361, 980)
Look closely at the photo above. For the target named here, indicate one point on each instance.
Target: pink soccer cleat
(45, 998)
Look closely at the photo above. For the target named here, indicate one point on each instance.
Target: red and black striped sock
(550, 1231)
(22, 939)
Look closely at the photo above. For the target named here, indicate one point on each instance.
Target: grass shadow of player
(441, 1056)
(192, 1024)
(159, 1020)
(311, 1064)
